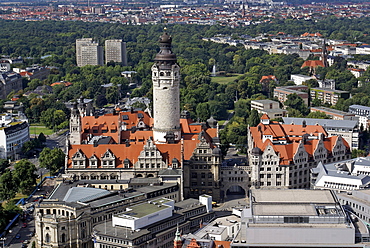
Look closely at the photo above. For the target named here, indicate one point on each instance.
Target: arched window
(47, 238)
(63, 237)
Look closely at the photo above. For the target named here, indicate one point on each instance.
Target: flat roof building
(352, 174)
(295, 218)
(269, 107)
(282, 92)
(334, 113)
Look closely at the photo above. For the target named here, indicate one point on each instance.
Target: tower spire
(177, 243)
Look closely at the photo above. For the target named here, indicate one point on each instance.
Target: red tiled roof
(313, 63)
(109, 125)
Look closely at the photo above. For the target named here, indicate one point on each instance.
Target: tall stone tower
(75, 126)
(166, 93)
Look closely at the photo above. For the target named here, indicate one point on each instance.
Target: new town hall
(169, 147)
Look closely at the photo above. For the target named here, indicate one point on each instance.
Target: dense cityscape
(184, 124)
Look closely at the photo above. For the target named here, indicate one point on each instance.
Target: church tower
(177, 242)
(75, 126)
(166, 93)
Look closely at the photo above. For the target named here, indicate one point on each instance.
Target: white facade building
(296, 218)
(352, 174)
(299, 79)
(14, 132)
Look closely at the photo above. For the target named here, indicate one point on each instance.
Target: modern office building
(115, 50)
(14, 132)
(362, 112)
(348, 129)
(88, 52)
(298, 218)
(352, 174)
(357, 202)
(153, 224)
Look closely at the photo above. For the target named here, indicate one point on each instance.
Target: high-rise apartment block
(115, 50)
(88, 52)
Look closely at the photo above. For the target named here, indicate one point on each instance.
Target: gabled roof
(313, 63)
(130, 142)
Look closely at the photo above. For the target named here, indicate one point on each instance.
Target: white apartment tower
(166, 93)
(88, 52)
(115, 50)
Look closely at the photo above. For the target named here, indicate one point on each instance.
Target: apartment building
(281, 93)
(115, 50)
(88, 52)
(329, 96)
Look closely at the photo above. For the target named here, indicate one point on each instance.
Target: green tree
(202, 111)
(4, 163)
(295, 102)
(8, 187)
(42, 138)
(318, 115)
(254, 118)
(51, 159)
(24, 176)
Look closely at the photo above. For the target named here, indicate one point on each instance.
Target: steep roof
(313, 63)
(110, 124)
(287, 137)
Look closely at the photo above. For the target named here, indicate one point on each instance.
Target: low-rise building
(153, 223)
(327, 84)
(335, 114)
(297, 218)
(281, 93)
(329, 96)
(9, 82)
(356, 201)
(299, 79)
(269, 107)
(349, 130)
(34, 72)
